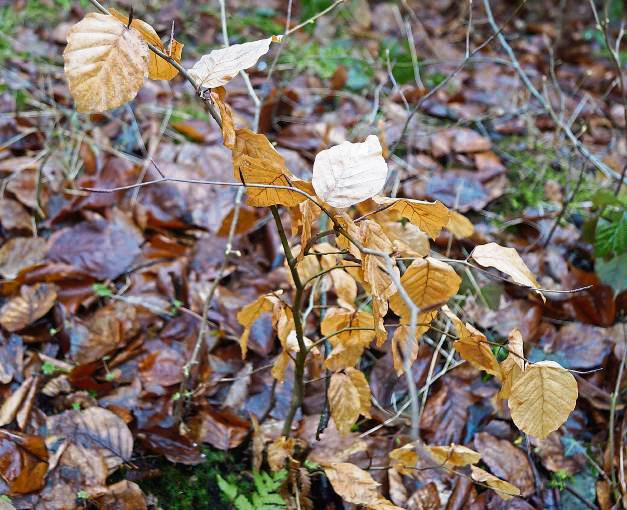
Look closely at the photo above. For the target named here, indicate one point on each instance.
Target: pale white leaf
(350, 173)
(221, 66)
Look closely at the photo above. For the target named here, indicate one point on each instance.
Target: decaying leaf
(473, 346)
(505, 260)
(350, 173)
(454, 455)
(23, 462)
(428, 282)
(356, 486)
(430, 217)
(158, 68)
(504, 489)
(32, 304)
(359, 381)
(279, 451)
(226, 116)
(542, 398)
(221, 66)
(105, 63)
(20, 253)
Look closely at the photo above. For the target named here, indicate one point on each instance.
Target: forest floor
(113, 284)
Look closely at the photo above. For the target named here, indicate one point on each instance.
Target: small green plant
(559, 479)
(48, 368)
(265, 496)
(101, 290)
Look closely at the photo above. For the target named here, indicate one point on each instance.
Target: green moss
(529, 166)
(195, 487)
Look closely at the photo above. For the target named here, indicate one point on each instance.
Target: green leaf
(229, 490)
(613, 272)
(101, 290)
(611, 237)
(241, 503)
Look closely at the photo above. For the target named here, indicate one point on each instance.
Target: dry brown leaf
(20, 253)
(23, 462)
(514, 365)
(460, 226)
(226, 116)
(505, 260)
(251, 312)
(158, 68)
(32, 304)
(354, 485)
(430, 217)
(344, 402)
(454, 455)
(349, 345)
(399, 341)
(280, 366)
(473, 346)
(11, 406)
(279, 451)
(105, 63)
(350, 173)
(407, 239)
(504, 489)
(95, 428)
(428, 282)
(542, 398)
(221, 66)
(358, 379)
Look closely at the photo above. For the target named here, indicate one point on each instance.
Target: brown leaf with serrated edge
(23, 462)
(428, 282)
(472, 345)
(430, 217)
(95, 428)
(226, 116)
(507, 261)
(542, 398)
(344, 402)
(32, 304)
(400, 338)
(250, 313)
(158, 68)
(360, 382)
(513, 366)
(105, 63)
(504, 489)
(354, 485)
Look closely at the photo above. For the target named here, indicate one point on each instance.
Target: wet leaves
(23, 463)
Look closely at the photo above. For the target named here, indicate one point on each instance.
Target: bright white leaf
(105, 63)
(350, 173)
(221, 66)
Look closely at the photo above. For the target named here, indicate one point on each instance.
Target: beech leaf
(221, 66)
(350, 173)
(359, 381)
(504, 489)
(505, 260)
(106, 63)
(430, 217)
(344, 402)
(542, 398)
(356, 486)
(32, 304)
(158, 68)
(454, 455)
(428, 282)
